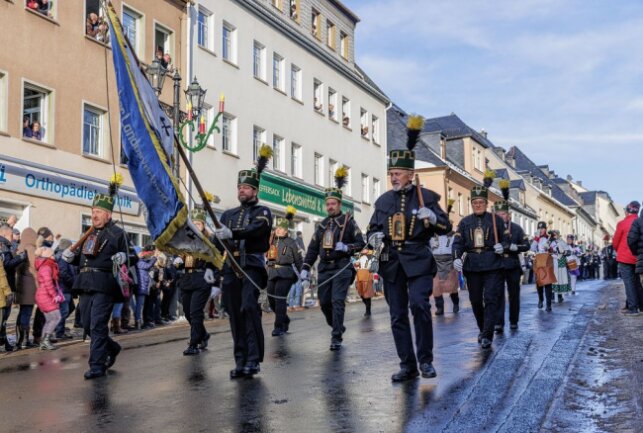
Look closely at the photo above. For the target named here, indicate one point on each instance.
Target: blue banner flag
(147, 137)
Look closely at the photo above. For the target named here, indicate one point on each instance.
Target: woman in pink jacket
(48, 295)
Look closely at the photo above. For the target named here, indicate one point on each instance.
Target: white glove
(513, 247)
(457, 265)
(341, 246)
(119, 258)
(178, 261)
(209, 276)
(434, 243)
(375, 239)
(426, 213)
(223, 233)
(68, 255)
(304, 275)
(214, 292)
(546, 246)
(498, 249)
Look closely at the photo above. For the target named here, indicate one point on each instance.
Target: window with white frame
(460, 204)
(259, 61)
(163, 42)
(316, 24)
(95, 24)
(348, 189)
(319, 169)
(204, 26)
(332, 168)
(278, 79)
(376, 189)
(278, 154)
(295, 82)
(346, 112)
(46, 8)
(295, 160)
(133, 28)
(293, 10)
(332, 104)
(93, 130)
(477, 158)
(229, 49)
(229, 133)
(37, 108)
(376, 130)
(366, 188)
(258, 139)
(363, 122)
(318, 95)
(343, 45)
(4, 101)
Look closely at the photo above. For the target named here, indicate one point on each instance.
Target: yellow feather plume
(490, 174)
(415, 122)
(504, 183)
(116, 179)
(208, 196)
(291, 210)
(341, 172)
(451, 202)
(265, 151)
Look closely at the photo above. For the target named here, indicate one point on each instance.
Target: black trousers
(414, 292)
(484, 291)
(241, 299)
(549, 293)
(512, 278)
(332, 299)
(439, 300)
(96, 311)
(367, 303)
(38, 323)
(194, 308)
(280, 287)
(166, 302)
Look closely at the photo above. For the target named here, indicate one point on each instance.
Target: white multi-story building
(287, 70)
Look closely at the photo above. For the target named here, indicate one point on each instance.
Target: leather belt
(88, 269)
(276, 266)
(194, 270)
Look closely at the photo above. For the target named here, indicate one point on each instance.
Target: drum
(572, 263)
(544, 270)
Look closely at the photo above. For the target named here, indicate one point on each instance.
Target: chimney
(483, 133)
(510, 160)
(500, 151)
(569, 178)
(579, 182)
(443, 146)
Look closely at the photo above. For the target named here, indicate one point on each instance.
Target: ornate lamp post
(195, 96)
(156, 75)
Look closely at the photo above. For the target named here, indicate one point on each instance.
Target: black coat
(251, 225)
(10, 261)
(515, 235)
(287, 255)
(485, 258)
(67, 274)
(414, 254)
(330, 259)
(96, 272)
(635, 242)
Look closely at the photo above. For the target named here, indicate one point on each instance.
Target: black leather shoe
(456, 308)
(191, 350)
(278, 332)
(204, 343)
(427, 370)
(237, 373)
(540, 305)
(111, 357)
(548, 309)
(513, 326)
(251, 369)
(335, 345)
(485, 343)
(498, 329)
(367, 313)
(439, 312)
(403, 375)
(93, 374)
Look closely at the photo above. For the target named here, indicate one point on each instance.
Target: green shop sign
(285, 192)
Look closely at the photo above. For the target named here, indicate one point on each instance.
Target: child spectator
(48, 294)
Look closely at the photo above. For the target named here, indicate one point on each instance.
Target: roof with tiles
(453, 127)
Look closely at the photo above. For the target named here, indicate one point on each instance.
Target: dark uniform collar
(249, 204)
(406, 190)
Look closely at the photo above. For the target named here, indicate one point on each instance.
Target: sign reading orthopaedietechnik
(22, 178)
(285, 192)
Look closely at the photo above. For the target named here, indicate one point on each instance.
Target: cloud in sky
(562, 79)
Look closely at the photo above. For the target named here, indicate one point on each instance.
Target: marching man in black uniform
(517, 243)
(284, 263)
(249, 227)
(336, 239)
(102, 251)
(404, 221)
(478, 253)
(195, 283)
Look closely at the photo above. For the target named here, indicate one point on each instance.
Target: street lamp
(156, 75)
(195, 96)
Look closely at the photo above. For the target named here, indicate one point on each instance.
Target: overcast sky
(561, 79)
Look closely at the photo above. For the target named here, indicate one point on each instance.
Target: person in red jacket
(626, 260)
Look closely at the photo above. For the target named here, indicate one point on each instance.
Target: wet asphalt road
(303, 387)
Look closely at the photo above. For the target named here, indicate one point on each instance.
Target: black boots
(4, 340)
